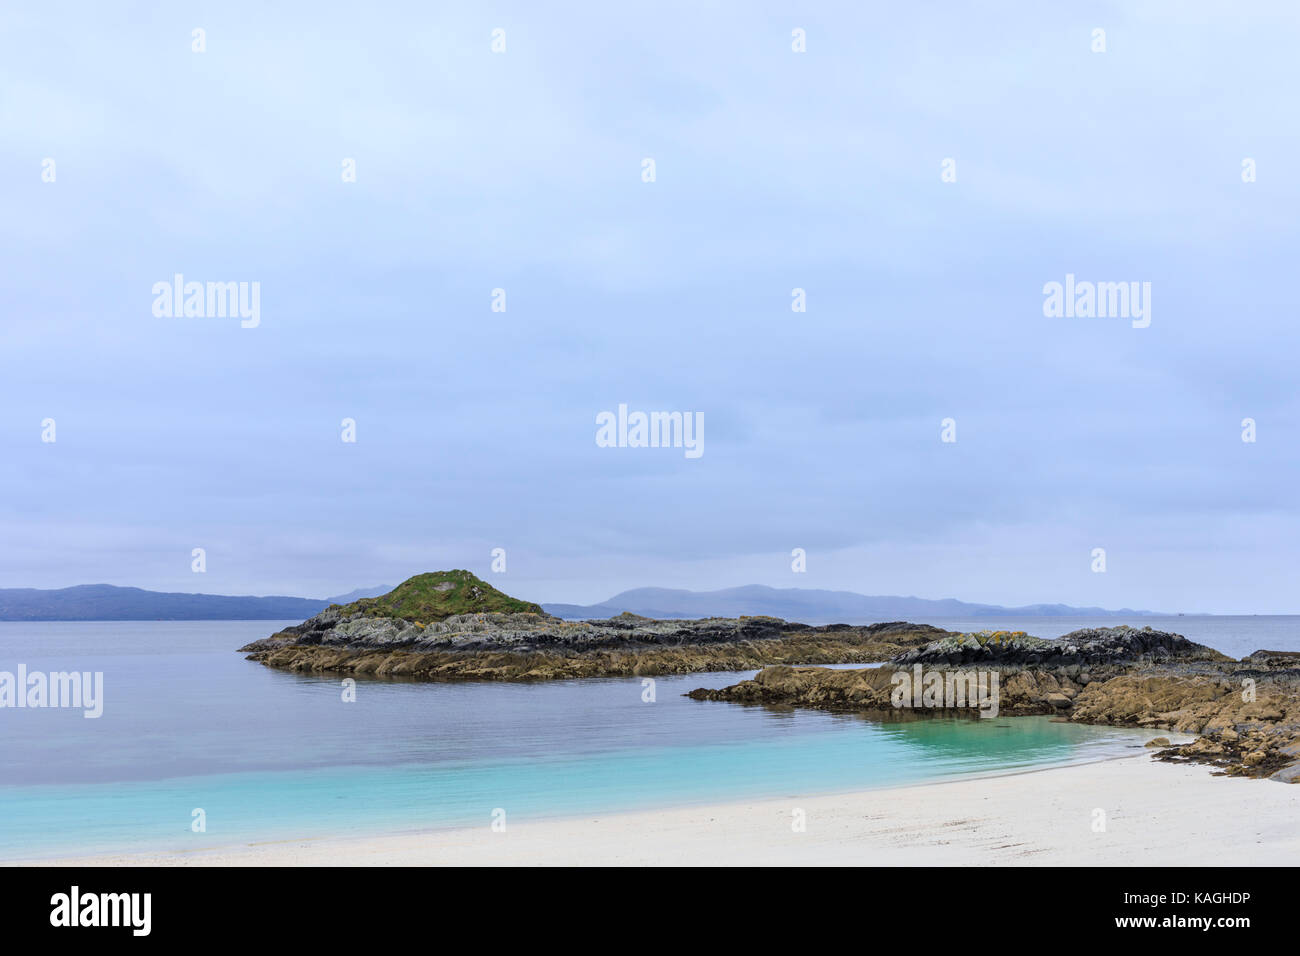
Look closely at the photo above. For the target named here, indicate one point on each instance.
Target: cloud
(775, 170)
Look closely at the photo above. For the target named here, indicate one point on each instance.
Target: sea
(198, 748)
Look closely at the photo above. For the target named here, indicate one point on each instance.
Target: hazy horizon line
(912, 597)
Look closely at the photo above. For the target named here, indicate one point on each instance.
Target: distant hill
(421, 597)
(104, 602)
(807, 606)
(358, 594)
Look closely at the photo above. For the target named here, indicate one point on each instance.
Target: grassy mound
(439, 594)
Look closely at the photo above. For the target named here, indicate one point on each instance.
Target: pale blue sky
(522, 170)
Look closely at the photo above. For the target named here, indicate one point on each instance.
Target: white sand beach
(1154, 814)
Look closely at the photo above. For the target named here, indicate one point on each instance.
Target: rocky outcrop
(514, 632)
(449, 625)
(1248, 721)
(1087, 648)
(1021, 693)
(1246, 713)
(527, 646)
(1275, 659)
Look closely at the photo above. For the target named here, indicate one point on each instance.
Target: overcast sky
(774, 170)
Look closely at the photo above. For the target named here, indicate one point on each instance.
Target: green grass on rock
(439, 594)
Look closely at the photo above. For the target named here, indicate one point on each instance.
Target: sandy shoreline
(1155, 814)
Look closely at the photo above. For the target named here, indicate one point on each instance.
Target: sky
(523, 169)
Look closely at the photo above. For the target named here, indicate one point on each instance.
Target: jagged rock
(1090, 648)
(1157, 742)
(527, 632)
(1275, 658)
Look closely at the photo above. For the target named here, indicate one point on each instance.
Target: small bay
(266, 755)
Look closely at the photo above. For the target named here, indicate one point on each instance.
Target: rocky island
(451, 625)
(1246, 713)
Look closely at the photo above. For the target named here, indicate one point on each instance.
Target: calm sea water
(188, 723)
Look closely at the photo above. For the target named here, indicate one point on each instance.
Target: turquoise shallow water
(849, 754)
(188, 723)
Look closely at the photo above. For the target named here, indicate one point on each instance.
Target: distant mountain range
(808, 606)
(105, 602)
(357, 595)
